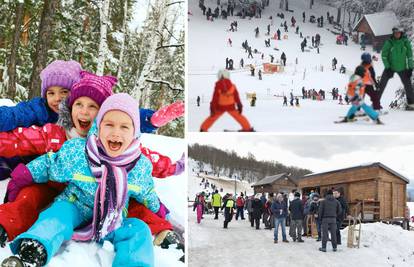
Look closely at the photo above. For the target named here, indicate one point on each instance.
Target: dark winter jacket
(329, 208)
(296, 209)
(314, 209)
(397, 54)
(257, 207)
(25, 114)
(344, 208)
(279, 209)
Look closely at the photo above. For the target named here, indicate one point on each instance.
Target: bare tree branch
(173, 3)
(165, 83)
(165, 27)
(166, 46)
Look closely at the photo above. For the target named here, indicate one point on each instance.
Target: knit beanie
(122, 102)
(60, 73)
(96, 87)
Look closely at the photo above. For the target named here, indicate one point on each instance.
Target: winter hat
(297, 194)
(366, 57)
(360, 71)
(122, 102)
(329, 192)
(223, 74)
(60, 73)
(397, 29)
(96, 87)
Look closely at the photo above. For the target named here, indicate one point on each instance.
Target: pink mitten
(168, 113)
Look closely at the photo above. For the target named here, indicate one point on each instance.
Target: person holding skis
(356, 93)
(225, 99)
(397, 56)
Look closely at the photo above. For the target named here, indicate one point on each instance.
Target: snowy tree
(103, 45)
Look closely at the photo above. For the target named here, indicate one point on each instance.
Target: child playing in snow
(77, 117)
(102, 172)
(225, 98)
(356, 93)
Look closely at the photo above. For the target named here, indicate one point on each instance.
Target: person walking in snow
(279, 210)
(314, 211)
(260, 74)
(304, 16)
(228, 206)
(257, 208)
(227, 63)
(250, 52)
(338, 194)
(285, 101)
(334, 62)
(285, 26)
(256, 32)
(216, 203)
(283, 58)
(225, 99)
(291, 99)
(329, 209)
(293, 21)
(397, 56)
(241, 63)
(296, 215)
(272, 58)
(278, 34)
(230, 42)
(198, 101)
(240, 207)
(268, 29)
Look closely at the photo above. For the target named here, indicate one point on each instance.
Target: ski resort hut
(377, 28)
(274, 184)
(374, 192)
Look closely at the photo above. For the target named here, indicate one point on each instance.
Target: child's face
(55, 95)
(84, 111)
(116, 132)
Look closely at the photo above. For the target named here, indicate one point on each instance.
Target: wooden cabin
(377, 28)
(374, 191)
(282, 182)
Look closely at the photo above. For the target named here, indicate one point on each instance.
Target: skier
(259, 73)
(329, 209)
(283, 58)
(397, 56)
(317, 40)
(228, 206)
(231, 64)
(297, 30)
(355, 93)
(302, 45)
(313, 41)
(225, 98)
(198, 101)
(216, 203)
(334, 62)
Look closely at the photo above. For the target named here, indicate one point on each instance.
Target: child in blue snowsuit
(108, 169)
(356, 93)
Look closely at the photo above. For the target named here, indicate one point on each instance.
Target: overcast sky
(321, 152)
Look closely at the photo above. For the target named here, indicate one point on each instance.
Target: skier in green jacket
(397, 56)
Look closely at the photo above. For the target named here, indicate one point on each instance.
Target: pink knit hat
(60, 73)
(124, 103)
(96, 87)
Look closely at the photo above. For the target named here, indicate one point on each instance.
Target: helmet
(223, 74)
(366, 57)
(397, 29)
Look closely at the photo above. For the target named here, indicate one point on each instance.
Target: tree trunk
(103, 43)
(286, 5)
(43, 44)
(310, 4)
(124, 31)
(338, 16)
(140, 83)
(11, 70)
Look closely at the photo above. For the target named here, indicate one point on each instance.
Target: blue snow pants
(132, 241)
(368, 110)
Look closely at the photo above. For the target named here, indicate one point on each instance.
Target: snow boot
(169, 239)
(32, 252)
(334, 249)
(378, 121)
(3, 237)
(322, 249)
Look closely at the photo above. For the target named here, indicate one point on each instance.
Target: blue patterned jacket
(70, 165)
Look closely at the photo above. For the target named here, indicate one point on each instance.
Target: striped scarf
(112, 178)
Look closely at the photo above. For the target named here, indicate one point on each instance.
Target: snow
(242, 245)
(6, 102)
(208, 49)
(171, 191)
(382, 23)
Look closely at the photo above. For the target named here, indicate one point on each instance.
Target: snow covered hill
(170, 190)
(208, 49)
(382, 245)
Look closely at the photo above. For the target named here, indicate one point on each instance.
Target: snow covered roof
(365, 165)
(380, 23)
(271, 179)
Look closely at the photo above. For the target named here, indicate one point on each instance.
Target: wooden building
(374, 191)
(377, 28)
(282, 182)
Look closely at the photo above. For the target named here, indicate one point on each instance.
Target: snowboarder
(228, 206)
(198, 101)
(355, 93)
(334, 62)
(397, 56)
(283, 58)
(225, 99)
(329, 209)
(259, 73)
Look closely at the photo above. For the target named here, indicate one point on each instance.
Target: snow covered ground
(208, 49)
(170, 190)
(212, 245)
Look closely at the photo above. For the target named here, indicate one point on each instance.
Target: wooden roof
(273, 178)
(375, 164)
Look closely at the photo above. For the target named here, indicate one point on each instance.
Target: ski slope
(171, 191)
(208, 49)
